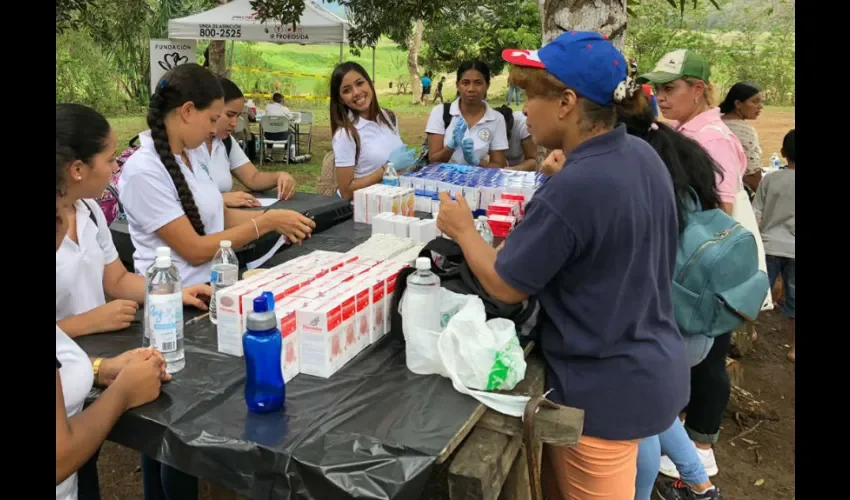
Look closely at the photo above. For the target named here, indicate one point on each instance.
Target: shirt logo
(485, 135)
(205, 169)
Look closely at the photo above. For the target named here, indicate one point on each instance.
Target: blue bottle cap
(264, 303)
(270, 299)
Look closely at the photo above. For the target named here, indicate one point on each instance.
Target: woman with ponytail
(691, 168)
(171, 198)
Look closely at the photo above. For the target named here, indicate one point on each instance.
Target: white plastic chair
(241, 125)
(275, 124)
(306, 120)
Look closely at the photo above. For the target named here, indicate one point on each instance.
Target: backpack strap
(228, 145)
(356, 136)
(447, 115)
(134, 141)
(91, 213)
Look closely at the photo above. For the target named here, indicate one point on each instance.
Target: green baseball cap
(678, 64)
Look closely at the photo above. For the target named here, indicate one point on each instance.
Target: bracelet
(256, 228)
(95, 366)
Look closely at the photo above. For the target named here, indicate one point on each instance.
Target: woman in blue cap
(606, 222)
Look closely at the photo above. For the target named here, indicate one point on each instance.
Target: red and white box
(377, 290)
(289, 356)
(363, 301)
(519, 198)
(501, 225)
(351, 347)
(389, 272)
(320, 337)
(231, 326)
(504, 207)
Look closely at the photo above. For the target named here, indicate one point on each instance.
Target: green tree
(481, 32)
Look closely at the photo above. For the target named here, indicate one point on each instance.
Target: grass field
(771, 126)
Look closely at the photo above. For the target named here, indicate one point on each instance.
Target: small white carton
(320, 337)
(289, 356)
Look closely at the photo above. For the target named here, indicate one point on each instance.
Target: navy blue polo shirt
(597, 246)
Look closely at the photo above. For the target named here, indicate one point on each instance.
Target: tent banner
(166, 54)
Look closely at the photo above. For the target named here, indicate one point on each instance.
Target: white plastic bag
(421, 350)
(471, 351)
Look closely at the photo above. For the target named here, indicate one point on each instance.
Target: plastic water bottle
(160, 252)
(225, 272)
(775, 161)
(264, 387)
(390, 175)
(421, 307)
(164, 313)
(483, 228)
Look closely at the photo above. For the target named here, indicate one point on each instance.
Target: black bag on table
(449, 264)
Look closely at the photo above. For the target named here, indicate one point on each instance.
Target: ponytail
(690, 166)
(181, 84)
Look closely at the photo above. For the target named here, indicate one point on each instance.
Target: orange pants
(596, 469)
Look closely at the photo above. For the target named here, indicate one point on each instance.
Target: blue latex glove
(402, 158)
(468, 147)
(457, 134)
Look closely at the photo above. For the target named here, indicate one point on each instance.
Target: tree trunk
(414, 44)
(604, 16)
(218, 53)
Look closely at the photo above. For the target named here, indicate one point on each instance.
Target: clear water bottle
(164, 313)
(225, 272)
(265, 390)
(421, 304)
(390, 175)
(483, 228)
(775, 161)
(160, 252)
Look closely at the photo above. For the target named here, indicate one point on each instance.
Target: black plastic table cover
(373, 430)
(300, 202)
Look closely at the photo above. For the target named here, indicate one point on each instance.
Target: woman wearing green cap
(597, 247)
(686, 96)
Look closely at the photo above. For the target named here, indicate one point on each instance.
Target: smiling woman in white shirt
(87, 264)
(221, 156)
(365, 137)
(130, 379)
(476, 132)
(170, 198)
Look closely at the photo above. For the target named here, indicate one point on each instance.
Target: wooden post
(493, 456)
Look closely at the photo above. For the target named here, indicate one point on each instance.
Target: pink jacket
(724, 147)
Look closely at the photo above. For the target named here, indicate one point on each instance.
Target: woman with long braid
(168, 194)
(172, 200)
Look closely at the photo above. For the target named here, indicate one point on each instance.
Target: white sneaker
(708, 461)
(668, 468)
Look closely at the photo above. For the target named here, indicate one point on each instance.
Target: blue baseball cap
(582, 60)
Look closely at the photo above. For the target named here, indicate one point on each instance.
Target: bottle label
(165, 314)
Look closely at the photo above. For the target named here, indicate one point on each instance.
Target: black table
(300, 202)
(373, 430)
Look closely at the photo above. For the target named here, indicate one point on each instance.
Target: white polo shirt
(219, 164)
(377, 141)
(519, 133)
(79, 266)
(150, 202)
(277, 109)
(489, 134)
(77, 380)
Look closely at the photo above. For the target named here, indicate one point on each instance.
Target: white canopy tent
(237, 21)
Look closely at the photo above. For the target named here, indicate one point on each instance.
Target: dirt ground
(757, 466)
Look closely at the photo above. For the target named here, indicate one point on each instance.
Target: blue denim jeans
(677, 445)
(513, 91)
(163, 482)
(784, 266)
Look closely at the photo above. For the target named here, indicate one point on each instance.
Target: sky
(334, 7)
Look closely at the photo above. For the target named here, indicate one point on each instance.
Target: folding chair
(275, 125)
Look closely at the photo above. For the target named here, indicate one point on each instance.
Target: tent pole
(230, 64)
(374, 77)
(340, 51)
